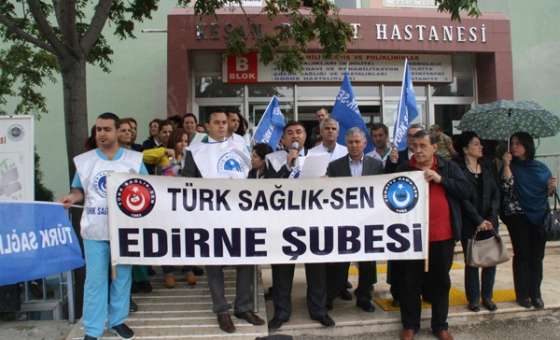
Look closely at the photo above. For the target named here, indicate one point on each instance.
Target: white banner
(158, 220)
(370, 67)
(17, 162)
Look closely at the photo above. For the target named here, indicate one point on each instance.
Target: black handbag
(552, 222)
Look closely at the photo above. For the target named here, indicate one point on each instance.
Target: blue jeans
(101, 301)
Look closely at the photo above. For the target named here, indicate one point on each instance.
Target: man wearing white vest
(217, 156)
(101, 301)
(329, 129)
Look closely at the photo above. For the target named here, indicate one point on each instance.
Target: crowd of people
(468, 193)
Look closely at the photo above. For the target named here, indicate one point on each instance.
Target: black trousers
(282, 279)
(337, 276)
(411, 279)
(476, 284)
(528, 253)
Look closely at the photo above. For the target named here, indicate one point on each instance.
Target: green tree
(45, 38)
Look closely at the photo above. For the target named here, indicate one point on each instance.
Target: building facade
(454, 65)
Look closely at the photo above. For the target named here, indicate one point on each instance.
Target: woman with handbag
(525, 185)
(480, 213)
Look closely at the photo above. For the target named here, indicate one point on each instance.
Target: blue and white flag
(271, 125)
(406, 111)
(347, 113)
(36, 240)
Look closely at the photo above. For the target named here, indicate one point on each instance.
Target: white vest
(227, 159)
(338, 152)
(93, 171)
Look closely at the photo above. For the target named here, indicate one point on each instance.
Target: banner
(347, 113)
(406, 111)
(17, 161)
(179, 221)
(271, 126)
(36, 240)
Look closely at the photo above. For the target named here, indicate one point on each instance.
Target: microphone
(294, 146)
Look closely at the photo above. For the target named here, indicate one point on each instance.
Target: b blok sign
(242, 69)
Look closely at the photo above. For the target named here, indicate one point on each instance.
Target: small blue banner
(406, 111)
(271, 126)
(347, 113)
(36, 240)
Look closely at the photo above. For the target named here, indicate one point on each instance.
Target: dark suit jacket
(190, 169)
(403, 159)
(488, 200)
(341, 167)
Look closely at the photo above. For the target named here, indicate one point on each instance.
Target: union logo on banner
(136, 197)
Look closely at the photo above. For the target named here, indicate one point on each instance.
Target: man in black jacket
(355, 163)
(447, 186)
(288, 164)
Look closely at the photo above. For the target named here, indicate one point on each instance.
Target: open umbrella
(500, 119)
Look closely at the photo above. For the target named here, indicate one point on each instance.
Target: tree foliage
(41, 38)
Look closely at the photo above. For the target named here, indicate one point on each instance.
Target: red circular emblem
(136, 197)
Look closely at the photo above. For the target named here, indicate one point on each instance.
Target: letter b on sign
(242, 69)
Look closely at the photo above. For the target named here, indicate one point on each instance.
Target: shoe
(345, 295)
(366, 306)
(524, 303)
(474, 307)
(226, 325)
(250, 317)
(407, 334)
(443, 335)
(169, 281)
(538, 303)
(275, 324)
(190, 278)
(198, 271)
(489, 304)
(133, 307)
(348, 285)
(123, 331)
(87, 337)
(324, 320)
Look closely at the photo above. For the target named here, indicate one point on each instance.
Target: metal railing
(55, 292)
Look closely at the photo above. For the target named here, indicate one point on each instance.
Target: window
(463, 79)
(212, 86)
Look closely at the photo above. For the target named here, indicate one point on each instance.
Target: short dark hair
(262, 149)
(528, 143)
(163, 123)
(377, 126)
(111, 116)
(155, 120)
(217, 110)
(463, 141)
(424, 133)
(190, 114)
(293, 123)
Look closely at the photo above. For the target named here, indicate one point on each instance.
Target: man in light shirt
(380, 137)
(329, 130)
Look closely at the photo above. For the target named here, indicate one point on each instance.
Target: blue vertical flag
(406, 111)
(271, 125)
(347, 113)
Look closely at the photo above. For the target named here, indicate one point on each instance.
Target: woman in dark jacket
(525, 185)
(258, 156)
(480, 211)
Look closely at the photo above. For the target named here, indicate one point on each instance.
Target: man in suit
(397, 159)
(288, 164)
(217, 133)
(355, 163)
